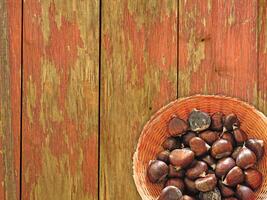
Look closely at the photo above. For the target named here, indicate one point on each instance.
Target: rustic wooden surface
(147, 52)
(10, 98)
(138, 76)
(60, 100)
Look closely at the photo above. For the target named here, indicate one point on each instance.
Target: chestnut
(240, 136)
(174, 173)
(236, 152)
(164, 156)
(226, 191)
(246, 158)
(198, 146)
(257, 146)
(207, 183)
(217, 120)
(177, 182)
(171, 143)
(234, 176)
(209, 136)
(181, 158)
(224, 166)
(210, 161)
(221, 148)
(199, 121)
(186, 197)
(157, 171)
(228, 136)
(244, 193)
(190, 186)
(170, 193)
(187, 137)
(211, 195)
(177, 126)
(253, 178)
(231, 122)
(198, 170)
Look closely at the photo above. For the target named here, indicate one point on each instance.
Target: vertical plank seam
(258, 49)
(177, 78)
(21, 100)
(99, 97)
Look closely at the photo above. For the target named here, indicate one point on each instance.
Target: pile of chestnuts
(207, 158)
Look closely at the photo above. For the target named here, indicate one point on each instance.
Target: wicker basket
(254, 123)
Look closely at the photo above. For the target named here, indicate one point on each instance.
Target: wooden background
(79, 79)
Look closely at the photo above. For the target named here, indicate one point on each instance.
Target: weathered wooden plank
(138, 76)
(262, 53)
(10, 96)
(60, 100)
(218, 48)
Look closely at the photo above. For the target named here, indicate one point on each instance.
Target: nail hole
(150, 108)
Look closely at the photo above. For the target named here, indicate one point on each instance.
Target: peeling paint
(231, 18)
(31, 91)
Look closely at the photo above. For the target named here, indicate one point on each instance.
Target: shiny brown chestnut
(257, 146)
(210, 161)
(174, 173)
(223, 166)
(234, 176)
(217, 120)
(209, 136)
(164, 156)
(190, 186)
(177, 126)
(221, 148)
(198, 146)
(186, 197)
(240, 136)
(157, 171)
(207, 183)
(245, 193)
(231, 122)
(226, 191)
(246, 158)
(187, 137)
(171, 143)
(170, 193)
(199, 121)
(253, 178)
(236, 152)
(228, 136)
(211, 195)
(177, 182)
(181, 158)
(198, 170)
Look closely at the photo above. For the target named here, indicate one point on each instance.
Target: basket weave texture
(253, 122)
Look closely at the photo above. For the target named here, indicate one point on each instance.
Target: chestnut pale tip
(207, 146)
(213, 166)
(203, 174)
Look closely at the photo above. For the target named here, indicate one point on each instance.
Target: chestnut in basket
(199, 121)
(157, 171)
(207, 158)
(170, 193)
(177, 126)
(217, 120)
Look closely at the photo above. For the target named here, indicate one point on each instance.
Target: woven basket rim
(162, 109)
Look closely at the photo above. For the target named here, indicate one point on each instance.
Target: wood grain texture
(10, 96)
(218, 48)
(138, 76)
(60, 100)
(262, 56)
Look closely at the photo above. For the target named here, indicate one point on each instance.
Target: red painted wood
(218, 48)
